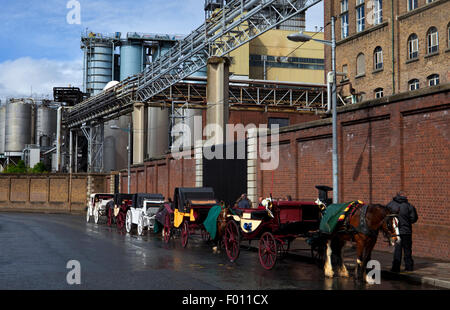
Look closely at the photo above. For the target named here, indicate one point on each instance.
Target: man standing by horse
(407, 215)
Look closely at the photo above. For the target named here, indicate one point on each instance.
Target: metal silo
(2, 128)
(45, 126)
(115, 154)
(131, 59)
(98, 66)
(18, 127)
(158, 132)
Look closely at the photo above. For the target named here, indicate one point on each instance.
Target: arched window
(378, 58)
(360, 64)
(432, 40)
(448, 35)
(433, 80)
(413, 84)
(413, 46)
(379, 93)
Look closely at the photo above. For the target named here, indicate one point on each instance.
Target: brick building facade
(389, 46)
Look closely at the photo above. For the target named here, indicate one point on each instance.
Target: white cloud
(18, 77)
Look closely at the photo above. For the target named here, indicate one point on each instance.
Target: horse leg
(338, 249)
(359, 260)
(328, 268)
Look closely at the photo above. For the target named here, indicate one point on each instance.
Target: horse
(221, 226)
(362, 227)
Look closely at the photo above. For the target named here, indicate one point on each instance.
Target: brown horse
(221, 225)
(361, 227)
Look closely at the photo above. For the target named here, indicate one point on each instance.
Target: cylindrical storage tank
(45, 126)
(158, 132)
(18, 129)
(99, 62)
(131, 59)
(2, 128)
(188, 117)
(115, 155)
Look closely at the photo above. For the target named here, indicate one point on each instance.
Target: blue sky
(39, 49)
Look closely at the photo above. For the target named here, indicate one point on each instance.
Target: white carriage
(97, 206)
(142, 214)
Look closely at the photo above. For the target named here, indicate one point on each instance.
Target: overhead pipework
(234, 24)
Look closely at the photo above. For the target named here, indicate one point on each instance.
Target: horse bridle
(390, 226)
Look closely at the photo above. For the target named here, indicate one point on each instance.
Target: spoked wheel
(318, 255)
(167, 231)
(110, 216)
(184, 233)
(205, 235)
(88, 215)
(128, 221)
(96, 215)
(267, 250)
(232, 241)
(283, 247)
(120, 220)
(140, 226)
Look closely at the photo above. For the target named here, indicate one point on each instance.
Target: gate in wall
(227, 176)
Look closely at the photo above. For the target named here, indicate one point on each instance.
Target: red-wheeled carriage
(275, 225)
(190, 209)
(118, 212)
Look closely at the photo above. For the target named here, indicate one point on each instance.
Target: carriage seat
(259, 215)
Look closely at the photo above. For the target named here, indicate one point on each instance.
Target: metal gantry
(237, 23)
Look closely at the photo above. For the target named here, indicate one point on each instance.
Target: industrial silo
(131, 59)
(99, 64)
(158, 132)
(2, 128)
(45, 126)
(18, 127)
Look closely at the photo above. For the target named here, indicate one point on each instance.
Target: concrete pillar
(198, 163)
(217, 96)
(139, 132)
(252, 162)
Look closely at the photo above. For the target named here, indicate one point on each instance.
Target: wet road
(35, 248)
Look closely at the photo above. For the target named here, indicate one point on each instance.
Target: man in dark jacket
(407, 215)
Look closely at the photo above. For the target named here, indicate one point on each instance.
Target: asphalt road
(35, 248)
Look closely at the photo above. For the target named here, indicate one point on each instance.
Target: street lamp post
(301, 37)
(129, 152)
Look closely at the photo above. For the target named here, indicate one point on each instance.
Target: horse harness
(362, 228)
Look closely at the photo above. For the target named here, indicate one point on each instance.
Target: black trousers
(405, 247)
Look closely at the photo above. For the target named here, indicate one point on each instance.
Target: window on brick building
(345, 70)
(433, 80)
(412, 5)
(360, 16)
(377, 12)
(432, 40)
(378, 58)
(413, 84)
(344, 6)
(448, 35)
(379, 93)
(344, 25)
(429, 1)
(360, 64)
(413, 46)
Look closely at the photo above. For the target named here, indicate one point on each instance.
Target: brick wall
(401, 142)
(48, 193)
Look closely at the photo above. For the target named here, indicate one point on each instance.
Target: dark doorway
(116, 184)
(227, 176)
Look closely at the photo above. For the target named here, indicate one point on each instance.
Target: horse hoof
(215, 250)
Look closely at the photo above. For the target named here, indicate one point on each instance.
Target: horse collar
(363, 228)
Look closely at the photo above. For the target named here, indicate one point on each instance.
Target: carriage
(190, 208)
(275, 225)
(118, 208)
(97, 206)
(142, 213)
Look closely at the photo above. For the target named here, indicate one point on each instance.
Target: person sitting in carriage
(243, 202)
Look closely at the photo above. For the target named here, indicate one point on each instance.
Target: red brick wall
(401, 142)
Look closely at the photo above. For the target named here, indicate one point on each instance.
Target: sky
(40, 46)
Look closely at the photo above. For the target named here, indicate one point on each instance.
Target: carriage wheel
(120, 220)
(232, 240)
(88, 215)
(205, 235)
(267, 250)
(283, 247)
(96, 215)
(128, 222)
(140, 226)
(317, 253)
(167, 229)
(184, 233)
(110, 217)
